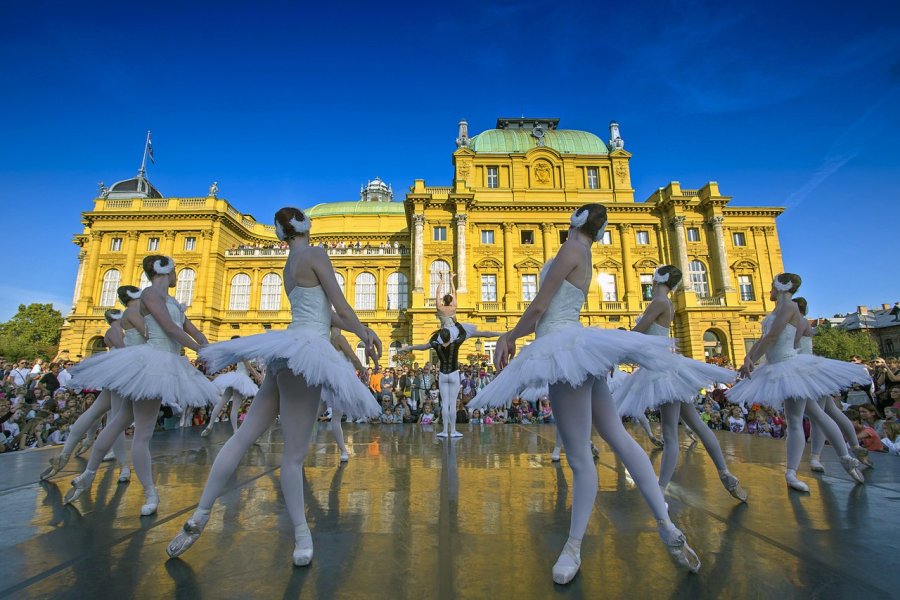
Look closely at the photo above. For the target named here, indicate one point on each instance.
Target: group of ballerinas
(567, 361)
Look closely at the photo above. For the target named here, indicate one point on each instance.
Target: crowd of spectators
(37, 406)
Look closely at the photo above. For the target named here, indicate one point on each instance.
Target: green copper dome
(518, 141)
(331, 209)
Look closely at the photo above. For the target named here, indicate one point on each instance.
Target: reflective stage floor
(480, 517)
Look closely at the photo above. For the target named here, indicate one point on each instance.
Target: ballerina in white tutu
(146, 375)
(302, 365)
(236, 386)
(793, 382)
(574, 362)
(672, 391)
(851, 372)
(446, 344)
(340, 344)
(119, 335)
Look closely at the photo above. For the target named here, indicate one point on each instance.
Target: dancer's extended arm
(425, 346)
(654, 310)
(782, 319)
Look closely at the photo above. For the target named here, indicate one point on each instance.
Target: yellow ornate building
(503, 215)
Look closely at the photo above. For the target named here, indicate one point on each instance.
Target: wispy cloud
(11, 297)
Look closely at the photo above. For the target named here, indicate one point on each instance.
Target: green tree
(838, 344)
(33, 331)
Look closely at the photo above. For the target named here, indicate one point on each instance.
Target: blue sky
(782, 103)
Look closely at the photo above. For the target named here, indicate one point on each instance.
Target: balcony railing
(488, 306)
(99, 310)
(256, 252)
(711, 301)
(524, 304)
(612, 306)
(429, 302)
(401, 251)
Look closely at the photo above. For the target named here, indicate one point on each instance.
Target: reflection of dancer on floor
(574, 361)
(616, 379)
(827, 403)
(147, 375)
(793, 382)
(341, 344)
(125, 329)
(301, 365)
(236, 386)
(673, 392)
(445, 344)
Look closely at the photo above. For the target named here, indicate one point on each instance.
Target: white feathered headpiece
(580, 217)
(782, 287)
(159, 269)
(659, 277)
(135, 295)
(298, 226)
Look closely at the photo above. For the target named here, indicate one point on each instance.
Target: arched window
(397, 291)
(108, 291)
(184, 289)
(365, 292)
(96, 346)
(712, 344)
(393, 349)
(145, 281)
(699, 279)
(340, 280)
(271, 292)
(438, 268)
(240, 292)
(361, 352)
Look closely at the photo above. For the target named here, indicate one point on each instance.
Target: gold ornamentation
(542, 172)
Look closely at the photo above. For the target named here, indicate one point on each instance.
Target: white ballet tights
(671, 413)
(817, 438)
(335, 425)
(228, 395)
(448, 384)
(298, 404)
(794, 410)
(143, 414)
(645, 423)
(90, 421)
(576, 409)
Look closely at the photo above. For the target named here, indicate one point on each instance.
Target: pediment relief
(529, 264)
(646, 263)
(488, 263)
(608, 263)
(744, 263)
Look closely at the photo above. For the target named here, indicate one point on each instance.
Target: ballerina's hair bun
(290, 222)
(668, 275)
(127, 293)
(787, 282)
(157, 264)
(112, 315)
(802, 304)
(591, 220)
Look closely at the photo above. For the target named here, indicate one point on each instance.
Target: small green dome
(332, 209)
(518, 141)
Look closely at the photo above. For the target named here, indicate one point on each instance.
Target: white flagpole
(143, 171)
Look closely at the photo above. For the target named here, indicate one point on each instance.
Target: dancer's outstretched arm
(154, 303)
(485, 334)
(425, 346)
(343, 346)
(654, 310)
(782, 318)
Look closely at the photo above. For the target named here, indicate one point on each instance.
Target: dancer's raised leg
(217, 410)
(299, 404)
(104, 442)
(259, 418)
(693, 421)
(572, 409)
(608, 424)
(817, 444)
(236, 401)
(338, 431)
(833, 435)
(88, 421)
(832, 410)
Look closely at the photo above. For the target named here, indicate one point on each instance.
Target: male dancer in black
(447, 349)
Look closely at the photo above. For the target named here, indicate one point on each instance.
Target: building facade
(881, 323)
(505, 212)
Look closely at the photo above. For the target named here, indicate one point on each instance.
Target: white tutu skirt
(238, 382)
(804, 377)
(571, 355)
(306, 354)
(146, 373)
(616, 380)
(647, 389)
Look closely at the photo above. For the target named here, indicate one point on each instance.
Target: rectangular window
(647, 287)
(643, 237)
(593, 178)
(693, 234)
(152, 244)
(487, 236)
(606, 240)
(493, 177)
(488, 288)
(527, 237)
(440, 234)
(607, 283)
(748, 343)
(745, 283)
(116, 245)
(529, 287)
(563, 236)
(190, 243)
(739, 238)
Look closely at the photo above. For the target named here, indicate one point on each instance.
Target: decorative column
(168, 243)
(509, 278)
(201, 290)
(677, 224)
(461, 220)
(90, 275)
(255, 296)
(767, 271)
(547, 234)
(79, 278)
(418, 243)
(627, 239)
(211, 261)
(722, 262)
(131, 250)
